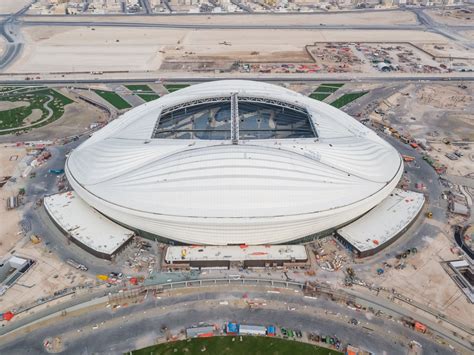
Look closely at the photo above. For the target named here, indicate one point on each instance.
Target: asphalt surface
(273, 78)
(450, 32)
(308, 26)
(139, 325)
(44, 184)
(9, 29)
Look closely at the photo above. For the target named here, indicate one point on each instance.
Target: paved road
(268, 78)
(9, 30)
(146, 6)
(323, 11)
(450, 32)
(307, 26)
(123, 329)
(13, 47)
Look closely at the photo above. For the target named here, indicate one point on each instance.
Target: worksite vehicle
(76, 265)
(414, 324)
(35, 239)
(56, 171)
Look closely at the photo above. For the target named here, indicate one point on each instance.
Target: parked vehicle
(76, 265)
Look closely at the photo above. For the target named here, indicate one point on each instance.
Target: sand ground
(461, 167)
(468, 34)
(451, 17)
(9, 166)
(450, 49)
(10, 105)
(433, 111)
(49, 274)
(11, 6)
(425, 281)
(107, 49)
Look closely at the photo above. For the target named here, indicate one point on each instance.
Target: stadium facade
(234, 162)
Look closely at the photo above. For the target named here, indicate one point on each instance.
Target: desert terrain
(8, 7)
(139, 49)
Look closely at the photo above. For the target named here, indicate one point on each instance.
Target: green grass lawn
(14, 118)
(324, 90)
(319, 95)
(148, 97)
(175, 87)
(225, 346)
(139, 87)
(336, 85)
(143, 91)
(347, 98)
(113, 98)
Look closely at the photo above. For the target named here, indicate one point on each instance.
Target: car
(284, 331)
(290, 333)
(332, 341)
(298, 333)
(354, 321)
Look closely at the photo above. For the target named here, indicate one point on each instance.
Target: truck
(76, 265)
(245, 329)
(408, 158)
(56, 171)
(35, 239)
(414, 324)
(404, 139)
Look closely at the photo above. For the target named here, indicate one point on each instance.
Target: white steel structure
(181, 168)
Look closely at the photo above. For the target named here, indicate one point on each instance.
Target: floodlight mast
(234, 116)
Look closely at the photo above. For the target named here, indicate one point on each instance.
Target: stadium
(234, 162)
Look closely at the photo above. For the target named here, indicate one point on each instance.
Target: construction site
(325, 57)
(409, 115)
(406, 73)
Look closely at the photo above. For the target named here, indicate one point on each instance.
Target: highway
(169, 78)
(126, 327)
(223, 26)
(442, 29)
(9, 30)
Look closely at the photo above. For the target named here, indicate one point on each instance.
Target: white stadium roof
(84, 224)
(210, 191)
(384, 222)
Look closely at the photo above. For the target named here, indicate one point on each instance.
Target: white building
(234, 162)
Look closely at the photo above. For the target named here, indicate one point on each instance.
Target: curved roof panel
(343, 164)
